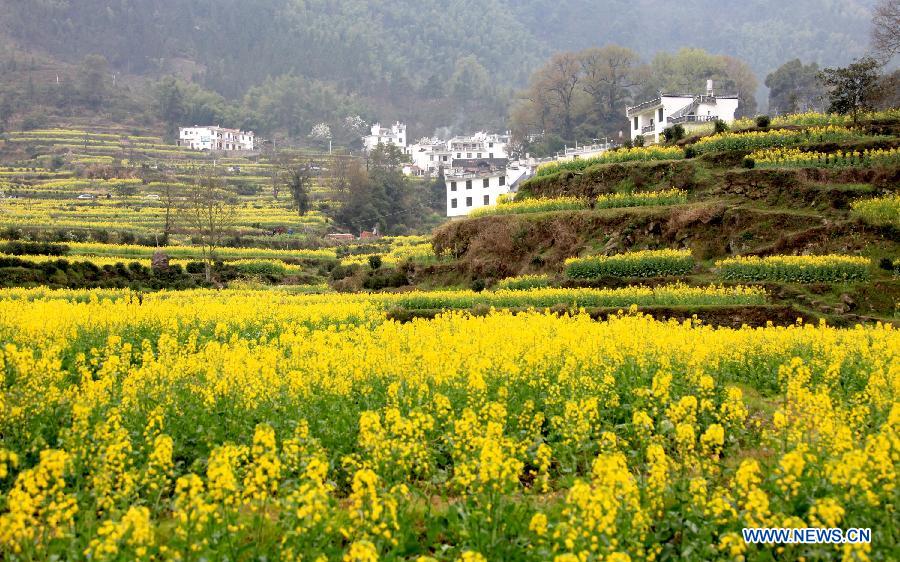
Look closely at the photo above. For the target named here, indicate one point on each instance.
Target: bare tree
(610, 73)
(886, 28)
(169, 200)
(559, 78)
(210, 215)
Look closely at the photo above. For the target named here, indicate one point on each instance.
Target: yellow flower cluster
(201, 424)
(801, 269)
(796, 158)
(541, 205)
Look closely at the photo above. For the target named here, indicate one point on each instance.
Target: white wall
(477, 192)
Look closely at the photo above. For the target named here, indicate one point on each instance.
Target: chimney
(709, 88)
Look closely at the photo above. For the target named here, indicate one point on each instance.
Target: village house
(394, 135)
(650, 118)
(471, 188)
(429, 155)
(479, 146)
(213, 137)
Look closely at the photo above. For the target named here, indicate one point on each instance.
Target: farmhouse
(474, 187)
(650, 118)
(213, 137)
(395, 135)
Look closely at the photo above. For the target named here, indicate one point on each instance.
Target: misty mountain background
(404, 59)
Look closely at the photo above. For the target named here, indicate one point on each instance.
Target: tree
(559, 78)
(470, 79)
(169, 200)
(609, 75)
(854, 88)
(169, 104)
(688, 70)
(298, 184)
(92, 80)
(210, 215)
(795, 87)
(886, 29)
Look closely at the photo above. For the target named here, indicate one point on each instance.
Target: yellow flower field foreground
(188, 426)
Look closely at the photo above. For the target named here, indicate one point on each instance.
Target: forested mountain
(430, 61)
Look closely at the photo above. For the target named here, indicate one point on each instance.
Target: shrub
(17, 248)
(639, 140)
(763, 121)
(799, 269)
(196, 267)
(748, 163)
(690, 152)
(644, 263)
(674, 133)
(478, 285)
(375, 261)
(719, 126)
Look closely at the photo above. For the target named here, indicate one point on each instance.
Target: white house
(395, 135)
(651, 117)
(467, 189)
(213, 137)
(479, 146)
(429, 155)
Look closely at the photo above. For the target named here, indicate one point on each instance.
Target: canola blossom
(635, 154)
(540, 205)
(796, 158)
(878, 211)
(642, 263)
(773, 138)
(800, 269)
(209, 425)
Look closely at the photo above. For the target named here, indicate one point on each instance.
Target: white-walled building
(652, 117)
(395, 135)
(429, 155)
(212, 137)
(479, 146)
(467, 190)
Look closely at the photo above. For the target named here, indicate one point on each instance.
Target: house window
(487, 199)
(453, 203)
(635, 123)
(660, 115)
(491, 155)
(444, 158)
(478, 155)
(452, 186)
(458, 155)
(490, 145)
(468, 184)
(502, 180)
(468, 201)
(469, 155)
(486, 182)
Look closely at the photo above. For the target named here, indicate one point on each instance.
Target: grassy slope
(731, 211)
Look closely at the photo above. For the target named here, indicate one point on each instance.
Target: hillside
(715, 206)
(430, 63)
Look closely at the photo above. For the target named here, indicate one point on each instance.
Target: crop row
(644, 263)
(799, 269)
(796, 158)
(639, 153)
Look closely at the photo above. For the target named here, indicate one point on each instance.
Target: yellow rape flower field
(262, 425)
